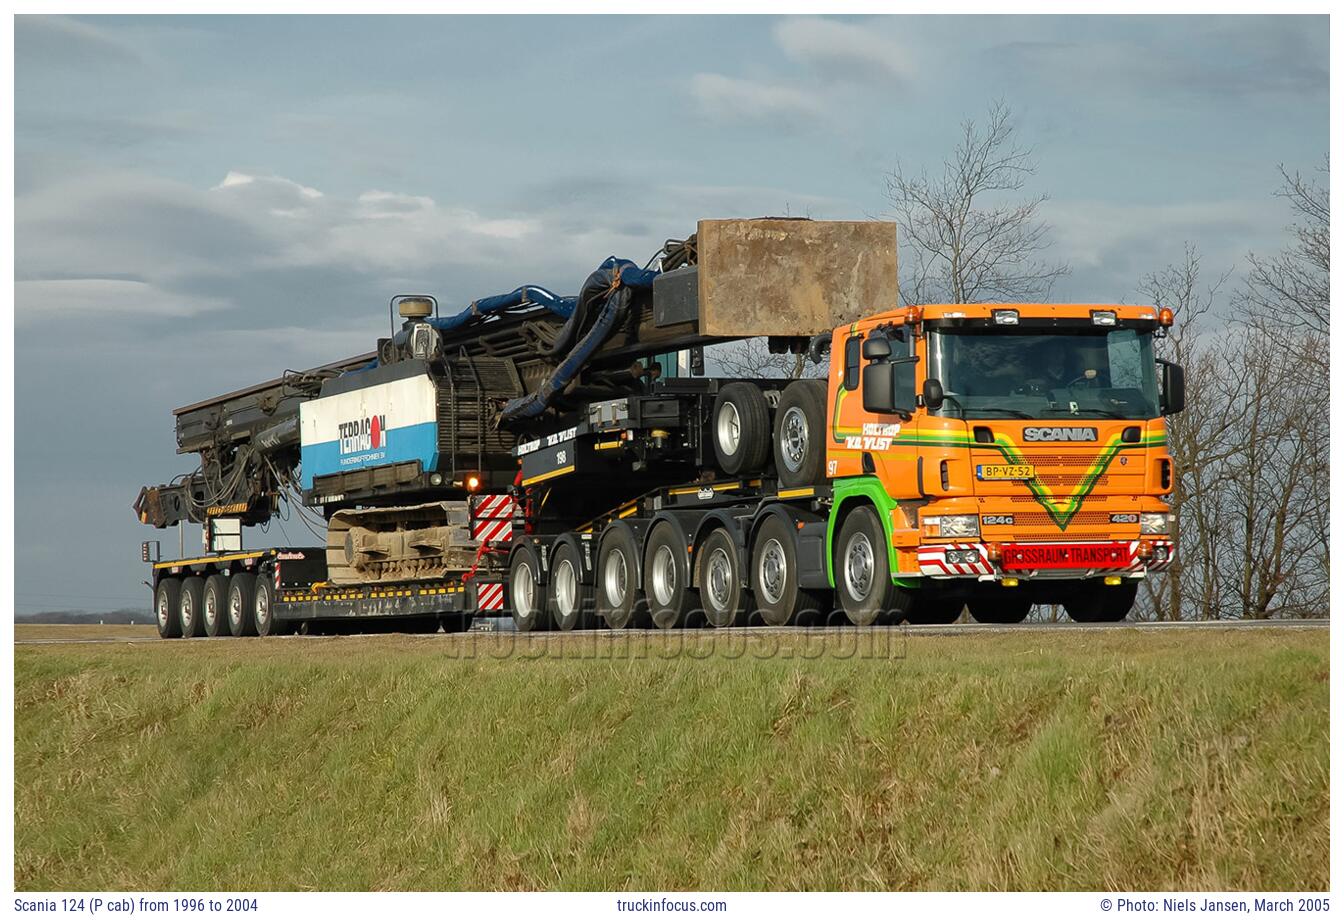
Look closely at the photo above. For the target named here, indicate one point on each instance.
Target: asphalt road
(953, 630)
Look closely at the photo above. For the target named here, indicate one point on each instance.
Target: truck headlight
(1154, 522)
(957, 525)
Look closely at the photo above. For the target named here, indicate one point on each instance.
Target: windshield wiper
(1082, 413)
(1015, 413)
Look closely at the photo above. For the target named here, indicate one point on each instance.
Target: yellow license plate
(1005, 471)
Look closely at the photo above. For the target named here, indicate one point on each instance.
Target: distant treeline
(126, 615)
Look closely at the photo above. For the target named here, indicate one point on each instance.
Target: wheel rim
(729, 429)
(774, 570)
(566, 588)
(211, 609)
(188, 612)
(664, 575)
(859, 561)
(163, 610)
(719, 578)
(614, 577)
(235, 608)
(522, 589)
(793, 438)
(263, 608)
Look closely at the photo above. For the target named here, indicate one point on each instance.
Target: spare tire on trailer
(800, 433)
(740, 428)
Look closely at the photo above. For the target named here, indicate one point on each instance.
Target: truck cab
(1012, 453)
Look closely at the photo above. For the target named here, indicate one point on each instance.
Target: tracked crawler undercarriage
(409, 543)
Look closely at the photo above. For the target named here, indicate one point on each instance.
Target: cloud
(87, 299)
(730, 99)
(63, 38)
(842, 51)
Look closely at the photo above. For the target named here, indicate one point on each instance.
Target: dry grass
(1069, 760)
(85, 631)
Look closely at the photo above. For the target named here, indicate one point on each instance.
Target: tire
(862, 569)
(166, 598)
(523, 595)
(718, 570)
(264, 622)
(215, 607)
(1000, 609)
(934, 611)
(190, 620)
(741, 428)
(619, 601)
(1100, 604)
(800, 433)
(570, 600)
(774, 576)
(667, 577)
(242, 593)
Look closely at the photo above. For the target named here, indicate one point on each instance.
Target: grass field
(82, 631)
(1061, 760)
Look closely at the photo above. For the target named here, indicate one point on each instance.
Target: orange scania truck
(568, 462)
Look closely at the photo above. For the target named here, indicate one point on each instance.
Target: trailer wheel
(863, 572)
(667, 577)
(741, 426)
(1095, 603)
(718, 572)
(189, 603)
(215, 606)
(264, 622)
(800, 433)
(242, 589)
(935, 611)
(999, 609)
(618, 597)
(774, 576)
(523, 594)
(571, 601)
(166, 598)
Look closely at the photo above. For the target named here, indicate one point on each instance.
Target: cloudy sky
(204, 202)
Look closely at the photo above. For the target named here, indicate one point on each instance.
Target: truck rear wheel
(166, 598)
(618, 598)
(523, 593)
(1096, 603)
(774, 576)
(800, 433)
(720, 578)
(571, 601)
(242, 588)
(667, 577)
(189, 618)
(863, 572)
(1000, 609)
(215, 606)
(264, 622)
(741, 428)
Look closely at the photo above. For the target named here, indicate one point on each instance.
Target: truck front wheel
(863, 572)
(1096, 603)
(166, 598)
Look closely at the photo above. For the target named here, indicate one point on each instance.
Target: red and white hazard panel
(490, 596)
(492, 518)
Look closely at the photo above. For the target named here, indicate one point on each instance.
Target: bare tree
(962, 241)
(753, 358)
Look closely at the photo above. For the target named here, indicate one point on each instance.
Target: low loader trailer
(987, 457)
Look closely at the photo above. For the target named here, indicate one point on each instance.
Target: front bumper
(974, 561)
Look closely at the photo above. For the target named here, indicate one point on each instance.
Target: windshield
(994, 373)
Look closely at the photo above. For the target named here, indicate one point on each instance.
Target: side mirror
(1173, 387)
(876, 348)
(889, 387)
(933, 392)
